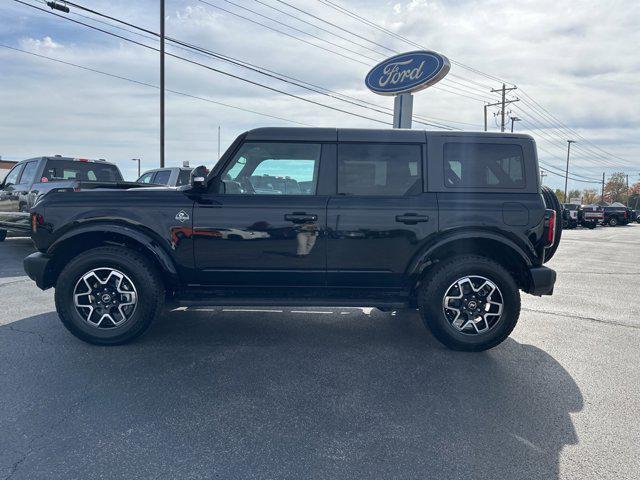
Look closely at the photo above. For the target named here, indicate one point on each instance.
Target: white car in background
(170, 177)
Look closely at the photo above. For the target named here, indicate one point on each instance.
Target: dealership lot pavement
(332, 393)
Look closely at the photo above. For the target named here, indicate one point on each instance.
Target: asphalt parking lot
(332, 393)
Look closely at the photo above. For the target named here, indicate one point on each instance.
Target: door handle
(300, 217)
(411, 218)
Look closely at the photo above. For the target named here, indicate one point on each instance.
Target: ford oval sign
(407, 72)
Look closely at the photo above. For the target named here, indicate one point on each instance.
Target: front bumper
(542, 280)
(37, 265)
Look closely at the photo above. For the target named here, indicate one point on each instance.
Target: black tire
(552, 202)
(591, 226)
(144, 277)
(613, 222)
(431, 299)
(3, 235)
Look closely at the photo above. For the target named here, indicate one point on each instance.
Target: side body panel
(160, 217)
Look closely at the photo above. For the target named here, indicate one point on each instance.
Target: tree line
(615, 190)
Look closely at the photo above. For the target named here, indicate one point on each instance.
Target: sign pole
(402, 110)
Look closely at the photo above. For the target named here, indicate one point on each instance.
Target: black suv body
(616, 215)
(34, 177)
(451, 223)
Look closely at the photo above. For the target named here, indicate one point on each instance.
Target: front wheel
(470, 303)
(613, 221)
(109, 295)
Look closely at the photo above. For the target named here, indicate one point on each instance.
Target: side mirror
(199, 177)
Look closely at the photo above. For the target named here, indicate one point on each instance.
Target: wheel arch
(76, 241)
(487, 244)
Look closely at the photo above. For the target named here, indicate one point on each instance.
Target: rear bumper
(37, 267)
(542, 280)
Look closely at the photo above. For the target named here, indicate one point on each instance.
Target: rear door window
(29, 173)
(483, 165)
(377, 169)
(184, 178)
(162, 177)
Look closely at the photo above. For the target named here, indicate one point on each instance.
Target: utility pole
(485, 112)
(602, 195)
(514, 119)
(504, 101)
(542, 175)
(161, 83)
(566, 173)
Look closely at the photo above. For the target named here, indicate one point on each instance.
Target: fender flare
(146, 239)
(421, 260)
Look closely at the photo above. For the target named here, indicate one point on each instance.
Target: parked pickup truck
(590, 216)
(32, 178)
(453, 224)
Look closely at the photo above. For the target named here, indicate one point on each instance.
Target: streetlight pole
(162, 83)
(566, 173)
(514, 119)
(137, 160)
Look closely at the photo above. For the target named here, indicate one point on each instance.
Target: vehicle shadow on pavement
(12, 249)
(279, 395)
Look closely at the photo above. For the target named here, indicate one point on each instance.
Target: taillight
(36, 219)
(549, 227)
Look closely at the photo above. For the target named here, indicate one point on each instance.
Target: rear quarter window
(483, 166)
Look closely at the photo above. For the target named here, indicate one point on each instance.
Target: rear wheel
(470, 303)
(109, 295)
(3, 235)
(552, 202)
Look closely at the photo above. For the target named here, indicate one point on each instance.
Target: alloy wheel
(473, 305)
(105, 297)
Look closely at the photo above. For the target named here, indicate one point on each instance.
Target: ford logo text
(407, 72)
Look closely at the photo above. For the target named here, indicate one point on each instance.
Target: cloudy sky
(575, 64)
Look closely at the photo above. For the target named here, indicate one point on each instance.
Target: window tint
(162, 177)
(29, 173)
(374, 169)
(184, 178)
(13, 175)
(60, 170)
(146, 178)
(273, 169)
(483, 165)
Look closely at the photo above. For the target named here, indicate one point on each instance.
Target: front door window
(273, 169)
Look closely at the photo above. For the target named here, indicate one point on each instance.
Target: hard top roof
(363, 134)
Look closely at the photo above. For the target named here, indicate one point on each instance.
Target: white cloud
(578, 59)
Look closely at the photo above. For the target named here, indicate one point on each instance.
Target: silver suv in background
(170, 177)
(34, 177)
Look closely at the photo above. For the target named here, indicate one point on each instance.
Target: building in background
(5, 166)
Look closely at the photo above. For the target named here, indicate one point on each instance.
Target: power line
(270, 73)
(439, 87)
(145, 84)
(364, 20)
(222, 72)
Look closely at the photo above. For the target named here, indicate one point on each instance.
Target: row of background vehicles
(590, 216)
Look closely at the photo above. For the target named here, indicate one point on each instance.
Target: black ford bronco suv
(452, 224)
